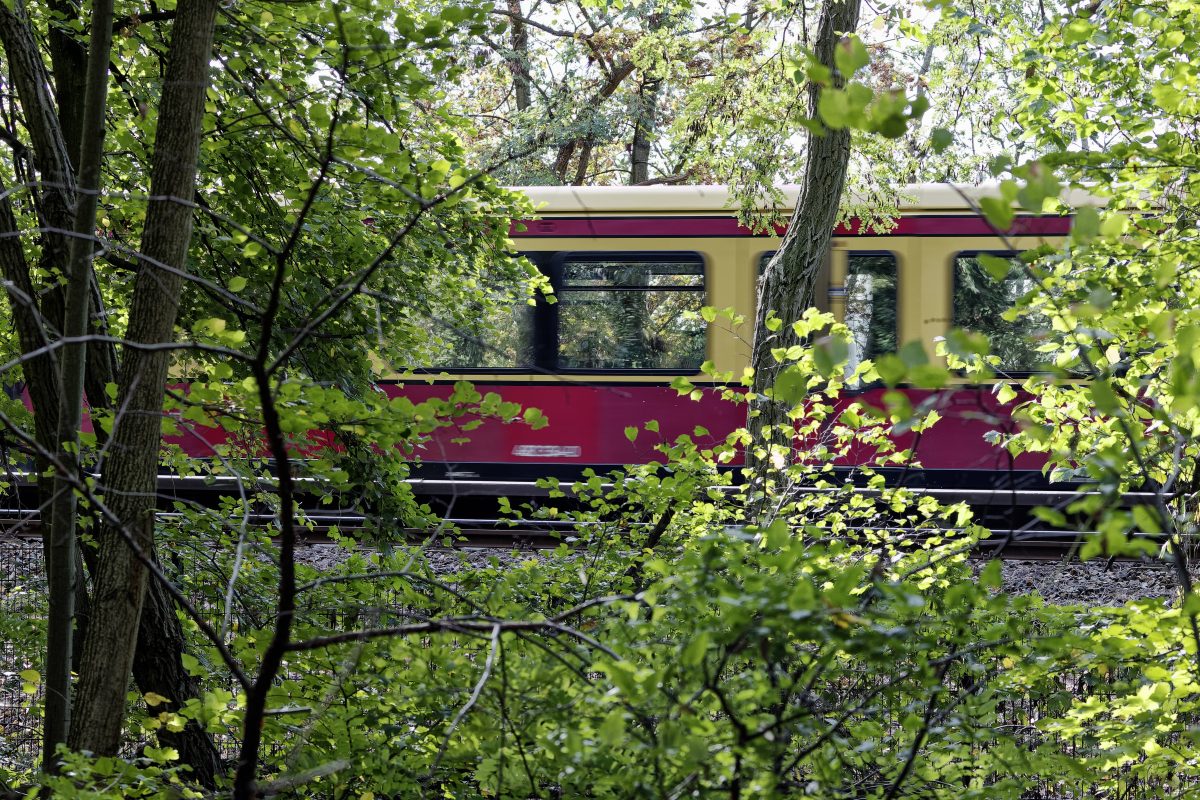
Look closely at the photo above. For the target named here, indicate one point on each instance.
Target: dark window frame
(555, 271)
(546, 324)
(1014, 255)
(539, 260)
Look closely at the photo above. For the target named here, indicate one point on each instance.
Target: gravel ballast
(1092, 584)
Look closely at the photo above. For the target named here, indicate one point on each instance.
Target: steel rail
(484, 533)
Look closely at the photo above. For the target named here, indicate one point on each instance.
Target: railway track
(1017, 536)
(471, 533)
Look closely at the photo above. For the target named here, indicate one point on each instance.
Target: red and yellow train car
(627, 264)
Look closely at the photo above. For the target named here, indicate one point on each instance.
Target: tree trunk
(158, 668)
(519, 63)
(61, 555)
(790, 277)
(131, 468)
(55, 137)
(563, 160)
(55, 192)
(585, 161)
(643, 132)
(68, 60)
(41, 377)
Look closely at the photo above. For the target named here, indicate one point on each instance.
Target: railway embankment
(1094, 583)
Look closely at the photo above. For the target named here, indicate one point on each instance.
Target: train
(630, 267)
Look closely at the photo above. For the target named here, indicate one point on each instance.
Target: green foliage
(719, 657)
(149, 777)
(791, 637)
(678, 638)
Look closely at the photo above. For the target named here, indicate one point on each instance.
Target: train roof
(713, 198)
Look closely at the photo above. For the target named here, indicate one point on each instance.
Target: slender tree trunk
(519, 62)
(585, 161)
(644, 124)
(56, 133)
(790, 277)
(61, 555)
(55, 193)
(130, 471)
(41, 376)
(68, 59)
(562, 161)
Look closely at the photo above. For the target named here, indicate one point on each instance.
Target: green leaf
(612, 730)
(1077, 31)
(990, 577)
(1085, 226)
(695, 650)
(940, 139)
(1146, 519)
(1051, 515)
(535, 418)
(790, 387)
(850, 55)
(818, 73)
(913, 354)
(777, 534)
(997, 267)
(891, 369)
(829, 355)
(966, 343)
(631, 433)
(1114, 225)
(834, 108)
(1103, 397)
(918, 106)
(161, 755)
(212, 325)
(682, 385)
(929, 376)
(1091, 548)
(1040, 185)
(891, 126)
(237, 284)
(999, 212)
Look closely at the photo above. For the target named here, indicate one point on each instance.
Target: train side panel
(590, 411)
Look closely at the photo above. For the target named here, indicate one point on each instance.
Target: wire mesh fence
(22, 607)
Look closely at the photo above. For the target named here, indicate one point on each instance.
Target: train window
(870, 305)
(499, 340)
(629, 311)
(980, 301)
